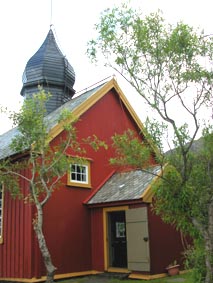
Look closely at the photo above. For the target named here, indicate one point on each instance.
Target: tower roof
(48, 66)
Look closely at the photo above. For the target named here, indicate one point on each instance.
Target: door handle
(145, 239)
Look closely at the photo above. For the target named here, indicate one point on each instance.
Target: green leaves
(95, 142)
(170, 66)
(45, 161)
(156, 131)
(30, 122)
(161, 61)
(130, 151)
(171, 199)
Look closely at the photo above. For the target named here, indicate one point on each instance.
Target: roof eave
(114, 203)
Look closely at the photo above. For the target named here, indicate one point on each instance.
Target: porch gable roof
(127, 186)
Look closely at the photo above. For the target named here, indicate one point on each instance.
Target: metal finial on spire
(51, 13)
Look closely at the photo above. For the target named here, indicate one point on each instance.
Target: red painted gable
(65, 213)
(74, 232)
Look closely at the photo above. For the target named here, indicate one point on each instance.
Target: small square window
(79, 175)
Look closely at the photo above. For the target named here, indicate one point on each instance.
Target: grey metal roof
(51, 120)
(125, 186)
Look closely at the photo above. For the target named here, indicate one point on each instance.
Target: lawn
(186, 278)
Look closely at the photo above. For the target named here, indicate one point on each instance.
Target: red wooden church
(99, 220)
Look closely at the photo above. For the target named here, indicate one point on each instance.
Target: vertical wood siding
(74, 248)
(16, 250)
(97, 239)
(67, 221)
(164, 238)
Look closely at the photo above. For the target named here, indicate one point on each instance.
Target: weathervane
(51, 13)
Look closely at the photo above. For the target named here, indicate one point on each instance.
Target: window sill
(79, 185)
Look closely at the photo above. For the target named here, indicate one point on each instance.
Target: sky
(24, 25)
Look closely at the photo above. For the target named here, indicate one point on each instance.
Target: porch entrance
(117, 239)
(128, 239)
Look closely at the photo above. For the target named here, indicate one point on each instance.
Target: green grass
(186, 276)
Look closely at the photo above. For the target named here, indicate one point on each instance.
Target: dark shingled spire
(49, 68)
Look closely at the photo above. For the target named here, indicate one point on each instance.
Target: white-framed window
(79, 175)
(1, 212)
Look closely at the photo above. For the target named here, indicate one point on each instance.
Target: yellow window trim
(87, 163)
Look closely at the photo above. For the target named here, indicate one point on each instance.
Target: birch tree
(170, 66)
(46, 163)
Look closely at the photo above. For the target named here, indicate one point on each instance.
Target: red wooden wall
(164, 241)
(18, 245)
(165, 244)
(67, 220)
(97, 239)
(74, 233)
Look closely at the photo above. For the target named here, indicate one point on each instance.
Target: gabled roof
(51, 120)
(126, 186)
(78, 106)
(90, 99)
(5, 140)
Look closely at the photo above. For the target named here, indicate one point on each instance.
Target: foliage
(155, 131)
(164, 63)
(130, 151)
(45, 162)
(170, 67)
(195, 257)
(189, 204)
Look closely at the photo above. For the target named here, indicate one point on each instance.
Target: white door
(137, 239)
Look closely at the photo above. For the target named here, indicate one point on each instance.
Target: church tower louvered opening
(49, 68)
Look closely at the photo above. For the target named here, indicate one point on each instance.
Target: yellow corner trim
(148, 192)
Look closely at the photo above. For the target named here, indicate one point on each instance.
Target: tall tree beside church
(47, 163)
(170, 66)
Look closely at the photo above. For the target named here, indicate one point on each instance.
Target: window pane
(73, 176)
(79, 173)
(78, 176)
(84, 178)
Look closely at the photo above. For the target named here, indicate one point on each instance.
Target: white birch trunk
(38, 227)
